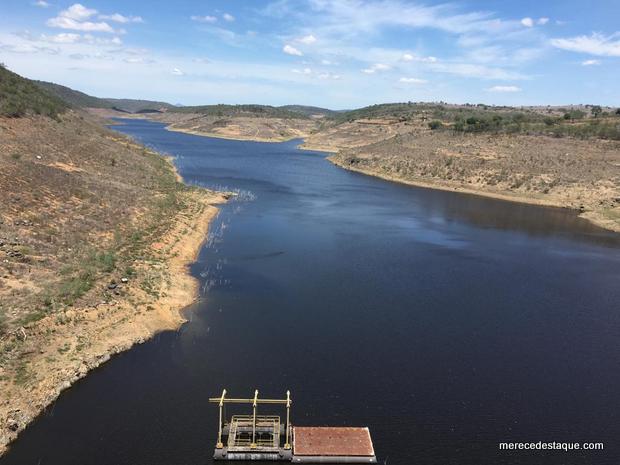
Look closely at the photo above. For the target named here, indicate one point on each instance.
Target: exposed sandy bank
(61, 349)
(96, 236)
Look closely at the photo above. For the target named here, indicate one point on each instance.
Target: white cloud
(328, 75)
(78, 12)
(326, 62)
(75, 18)
(118, 18)
(306, 71)
(595, 44)
(63, 38)
(507, 89)
(72, 38)
(410, 57)
(527, 22)
(28, 48)
(85, 56)
(138, 60)
(290, 50)
(308, 40)
(228, 17)
(471, 70)
(91, 39)
(355, 17)
(410, 80)
(590, 62)
(204, 19)
(201, 60)
(177, 72)
(68, 23)
(376, 67)
(41, 3)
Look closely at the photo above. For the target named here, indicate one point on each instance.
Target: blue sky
(337, 54)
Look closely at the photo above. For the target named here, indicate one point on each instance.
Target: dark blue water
(446, 323)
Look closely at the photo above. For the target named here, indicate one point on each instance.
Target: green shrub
(20, 97)
(106, 261)
(574, 114)
(77, 286)
(436, 124)
(3, 322)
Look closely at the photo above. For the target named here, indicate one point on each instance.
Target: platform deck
(332, 442)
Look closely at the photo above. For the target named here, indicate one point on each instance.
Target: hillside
(581, 121)
(309, 110)
(96, 232)
(578, 173)
(79, 99)
(562, 155)
(20, 97)
(255, 111)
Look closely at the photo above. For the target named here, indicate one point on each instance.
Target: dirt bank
(96, 236)
(560, 172)
(567, 172)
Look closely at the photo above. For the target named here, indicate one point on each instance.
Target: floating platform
(265, 438)
(328, 444)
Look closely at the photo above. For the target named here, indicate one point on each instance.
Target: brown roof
(309, 440)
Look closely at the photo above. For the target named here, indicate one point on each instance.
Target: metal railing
(252, 420)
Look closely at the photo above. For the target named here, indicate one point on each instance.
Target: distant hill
(20, 97)
(257, 111)
(308, 110)
(81, 100)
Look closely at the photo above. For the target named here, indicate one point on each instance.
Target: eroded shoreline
(591, 216)
(55, 351)
(595, 217)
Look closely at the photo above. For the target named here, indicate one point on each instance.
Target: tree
(596, 111)
(574, 114)
(618, 112)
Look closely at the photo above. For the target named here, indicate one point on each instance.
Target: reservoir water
(446, 323)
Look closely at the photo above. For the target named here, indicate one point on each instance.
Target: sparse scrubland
(96, 232)
(559, 156)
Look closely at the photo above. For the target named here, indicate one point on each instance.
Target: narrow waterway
(447, 323)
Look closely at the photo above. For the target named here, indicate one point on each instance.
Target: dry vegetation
(96, 231)
(264, 129)
(95, 235)
(560, 156)
(568, 157)
(583, 175)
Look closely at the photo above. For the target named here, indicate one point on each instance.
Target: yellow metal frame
(271, 422)
(254, 401)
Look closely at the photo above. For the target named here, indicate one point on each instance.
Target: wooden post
(253, 445)
(219, 444)
(287, 445)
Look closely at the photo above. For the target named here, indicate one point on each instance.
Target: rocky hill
(79, 99)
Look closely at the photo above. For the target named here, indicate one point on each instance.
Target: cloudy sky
(337, 54)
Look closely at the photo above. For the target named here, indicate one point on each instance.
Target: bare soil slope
(264, 129)
(95, 236)
(566, 172)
